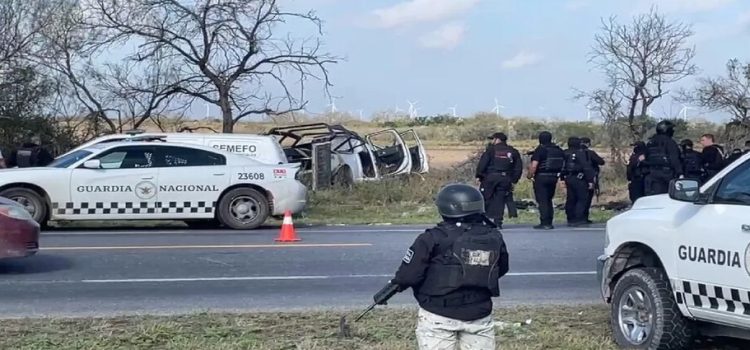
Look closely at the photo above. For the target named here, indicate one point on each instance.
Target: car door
(419, 158)
(190, 181)
(125, 187)
(391, 154)
(712, 247)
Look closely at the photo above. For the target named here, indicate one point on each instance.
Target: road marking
(295, 278)
(226, 246)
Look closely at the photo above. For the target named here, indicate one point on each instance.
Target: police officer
(453, 270)
(713, 156)
(692, 166)
(662, 159)
(579, 180)
(30, 154)
(596, 163)
(634, 172)
(547, 163)
(499, 168)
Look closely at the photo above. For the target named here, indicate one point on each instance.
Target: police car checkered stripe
(124, 208)
(712, 297)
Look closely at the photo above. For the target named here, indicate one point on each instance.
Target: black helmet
(545, 137)
(459, 200)
(665, 127)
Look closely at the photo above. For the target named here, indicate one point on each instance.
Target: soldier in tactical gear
(30, 154)
(596, 163)
(713, 157)
(692, 167)
(579, 180)
(499, 168)
(547, 163)
(662, 159)
(634, 172)
(453, 270)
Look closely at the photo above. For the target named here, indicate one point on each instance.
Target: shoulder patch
(408, 256)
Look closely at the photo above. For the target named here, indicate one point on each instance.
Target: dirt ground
(447, 158)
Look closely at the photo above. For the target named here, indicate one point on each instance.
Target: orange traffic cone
(287, 234)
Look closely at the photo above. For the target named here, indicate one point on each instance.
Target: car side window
(735, 187)
(127, 158)
(179, 156)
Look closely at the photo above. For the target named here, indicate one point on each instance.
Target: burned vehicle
(354, 158)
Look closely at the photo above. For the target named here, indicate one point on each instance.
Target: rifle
(596, 187)
(380, 298)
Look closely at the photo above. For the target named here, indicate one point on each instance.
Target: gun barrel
(365, 312)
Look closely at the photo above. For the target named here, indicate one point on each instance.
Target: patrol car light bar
(147, 138)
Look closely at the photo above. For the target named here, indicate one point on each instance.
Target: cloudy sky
(528, 54)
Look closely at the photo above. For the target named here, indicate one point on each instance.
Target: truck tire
(31, 200)
(243, 209)
(645, 314)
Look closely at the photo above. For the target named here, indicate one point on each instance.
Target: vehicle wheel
(343, 178)
(243, 209)
(29, 199)
(202, 224)
(645, 314)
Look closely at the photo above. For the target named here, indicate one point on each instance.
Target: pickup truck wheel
(243, 209)
(645, 314)
(30, 200)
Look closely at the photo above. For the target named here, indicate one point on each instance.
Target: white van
(263, 148)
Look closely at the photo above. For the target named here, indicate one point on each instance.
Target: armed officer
(713, 156)
(579, 180)
(547, 163)
(634, 172)
(453, 270)
(596, 163)
(692, 166)
(30, 154)
(662, 159)
(499, 168)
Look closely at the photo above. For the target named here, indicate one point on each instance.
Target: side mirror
(684, 190)
(93, 164)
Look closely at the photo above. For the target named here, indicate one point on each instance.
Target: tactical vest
(502, 160)
(554, 162)
(656, 154)
(691, 163)
(24, 157)
(467, 257)
(574, 161)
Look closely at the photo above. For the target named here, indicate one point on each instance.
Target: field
(564, 327)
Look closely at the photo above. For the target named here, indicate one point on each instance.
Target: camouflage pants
(436, 332)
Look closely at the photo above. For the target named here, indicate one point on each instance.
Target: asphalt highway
(114, 272)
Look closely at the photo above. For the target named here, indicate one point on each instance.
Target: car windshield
(70, 159)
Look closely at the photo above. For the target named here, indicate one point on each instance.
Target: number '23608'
(251, 176)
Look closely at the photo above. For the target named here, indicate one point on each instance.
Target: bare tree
(640, 59)
(728, 94)
(228, 53)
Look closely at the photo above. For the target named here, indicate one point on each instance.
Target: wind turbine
(361, 117)
(497, 107)
(588, 112)
(684, 111)
(412, 110)
(454, 110)
(208, 110)
(332, 105)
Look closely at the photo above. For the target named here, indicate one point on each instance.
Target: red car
(19, 233)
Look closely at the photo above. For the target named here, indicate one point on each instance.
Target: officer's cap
(498, 135)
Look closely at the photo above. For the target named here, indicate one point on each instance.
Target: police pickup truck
(678, 265)
(140, 180)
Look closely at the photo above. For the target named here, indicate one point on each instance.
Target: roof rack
(148, 138)
(134, 132)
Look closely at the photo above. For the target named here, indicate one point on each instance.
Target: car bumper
(603, 266)
(18, 238)
(292, 197)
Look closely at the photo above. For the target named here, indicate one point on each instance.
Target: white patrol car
(155, 180)
(678, 265)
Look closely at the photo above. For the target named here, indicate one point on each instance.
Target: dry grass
(579, 328)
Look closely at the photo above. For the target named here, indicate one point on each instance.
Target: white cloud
(445, 37)
(522, 59)
(685, 5)
(415, 11)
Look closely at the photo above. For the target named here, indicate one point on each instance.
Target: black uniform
(736, 154)
(499, 168)
(596, 163)
(713, 161)
(449, 283)
(30, 155)
(578, 175)
(692, 167)
(634, 172)
(662, 164)
(551, 160)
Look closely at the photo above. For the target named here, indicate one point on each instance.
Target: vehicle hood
(659, 201)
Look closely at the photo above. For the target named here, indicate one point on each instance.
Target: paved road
(97, 272)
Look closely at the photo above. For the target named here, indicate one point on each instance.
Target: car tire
(343, 178)
(643, 299)
(29, 199)
(236, 205)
